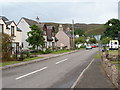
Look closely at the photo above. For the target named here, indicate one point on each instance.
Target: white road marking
(81, 74)
(61, 61)
(31, 73)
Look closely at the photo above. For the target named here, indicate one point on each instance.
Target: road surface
(60, 72)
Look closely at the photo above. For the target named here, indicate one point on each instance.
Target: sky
(61, 11)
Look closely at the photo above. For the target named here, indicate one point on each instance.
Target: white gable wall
(2, 22)
(24, 26)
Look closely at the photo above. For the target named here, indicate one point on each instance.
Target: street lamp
(110, 26)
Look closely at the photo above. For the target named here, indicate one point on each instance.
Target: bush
(41, 52)
(83, 47)
(48, 50)
(33, 51)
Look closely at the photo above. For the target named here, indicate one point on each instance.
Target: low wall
(112, 71)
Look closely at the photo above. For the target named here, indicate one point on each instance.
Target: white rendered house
(10, 28)
(25, 23)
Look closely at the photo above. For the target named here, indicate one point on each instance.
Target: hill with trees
(89, 29)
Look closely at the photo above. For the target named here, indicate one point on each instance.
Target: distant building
(10, 28)
(48, 32)
(65, 38)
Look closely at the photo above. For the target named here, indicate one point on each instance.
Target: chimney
(68, 29)
(60, 28)
(37, 19)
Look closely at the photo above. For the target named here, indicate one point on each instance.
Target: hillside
(89, 29)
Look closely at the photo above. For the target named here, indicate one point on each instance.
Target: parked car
(88, 46)
(93, 46)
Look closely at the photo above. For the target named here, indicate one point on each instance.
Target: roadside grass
(115, 62)
(97, 56)
(60, 51)
(15, 62)
(118, 67)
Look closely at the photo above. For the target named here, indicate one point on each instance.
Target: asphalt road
(60, 72)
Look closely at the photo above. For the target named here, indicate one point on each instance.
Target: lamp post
(73, 33)
(110, 26)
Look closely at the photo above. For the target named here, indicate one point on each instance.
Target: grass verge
(97, 56)
(113, 52)
(118, 67)
(60, 51)
(15, 62)
(115, 62)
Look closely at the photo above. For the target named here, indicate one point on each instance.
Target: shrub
(48, 50)
(7, 47)
(83, 47)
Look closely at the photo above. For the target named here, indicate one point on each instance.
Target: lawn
(60, 51)
(113, 52)
(14, 62)
(115, 62)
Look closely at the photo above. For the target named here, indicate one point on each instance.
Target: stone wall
(112, 71)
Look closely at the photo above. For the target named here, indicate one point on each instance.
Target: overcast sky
(63, 11)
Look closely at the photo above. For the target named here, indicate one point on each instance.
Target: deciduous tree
(35, 37)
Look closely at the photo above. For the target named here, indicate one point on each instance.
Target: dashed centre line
(31, 73)
(61, 61)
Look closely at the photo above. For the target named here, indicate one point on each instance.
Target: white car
(88, 46)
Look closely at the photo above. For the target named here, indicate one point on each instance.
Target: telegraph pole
(73, 33)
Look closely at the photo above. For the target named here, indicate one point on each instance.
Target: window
(1, 28)
(115, 42)
(12, 30)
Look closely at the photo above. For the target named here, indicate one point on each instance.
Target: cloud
(84, 12)
(59, 1)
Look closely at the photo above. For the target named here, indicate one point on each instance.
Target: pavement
(94, 77)
(58, 72)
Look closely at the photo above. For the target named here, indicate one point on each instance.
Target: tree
(106, 40)
(79, 32)
(112, 27)
(92, 40)
(6, 47)
(80, 40)
(35, 37)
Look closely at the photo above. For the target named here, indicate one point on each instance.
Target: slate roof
(41, 25)
(18, 29)
(30, 22)
(4, 18)
(68, 34)
(8, 22)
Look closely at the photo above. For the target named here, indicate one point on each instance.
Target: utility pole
(73, 33)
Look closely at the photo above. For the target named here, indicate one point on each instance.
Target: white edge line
(31, 73)
(61, 61)
(81, 74)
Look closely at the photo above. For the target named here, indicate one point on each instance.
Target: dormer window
(12, 31)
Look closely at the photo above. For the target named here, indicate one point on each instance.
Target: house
(65, 38)
(48, 32)
(10, 28)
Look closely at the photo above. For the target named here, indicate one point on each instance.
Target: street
(59, 72)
